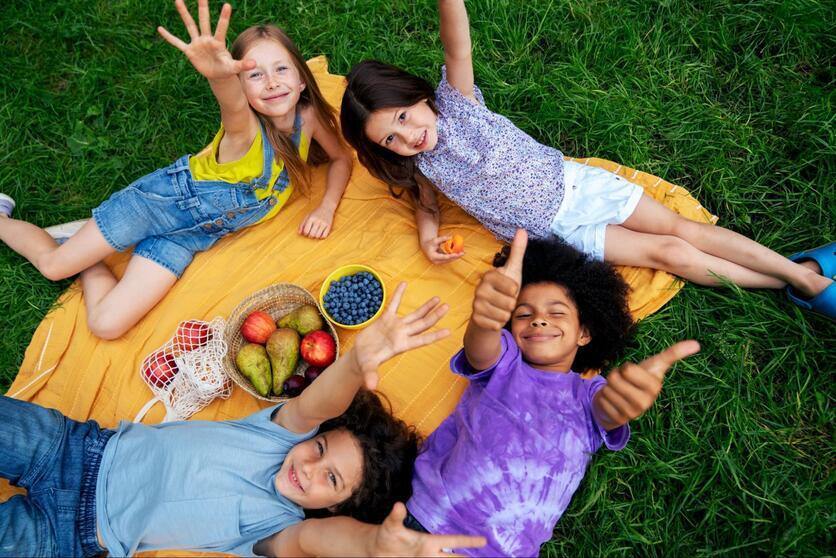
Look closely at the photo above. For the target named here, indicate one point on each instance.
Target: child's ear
(302, 86)
(584, 337)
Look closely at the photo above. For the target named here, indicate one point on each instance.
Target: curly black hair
(389, 449)
(596, 288)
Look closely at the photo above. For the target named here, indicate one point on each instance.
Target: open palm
(391, 334)
(207, 51)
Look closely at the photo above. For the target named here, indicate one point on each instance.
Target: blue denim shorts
(169, 216)
(56, 460)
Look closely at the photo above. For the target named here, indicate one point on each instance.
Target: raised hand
(393, 539)
(207, 51)
(432, 249)
(632, 388)
(391, 334)
(496, 294)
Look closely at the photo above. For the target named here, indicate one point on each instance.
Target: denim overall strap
(284, 178)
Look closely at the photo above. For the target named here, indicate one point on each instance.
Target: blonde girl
(273, 121)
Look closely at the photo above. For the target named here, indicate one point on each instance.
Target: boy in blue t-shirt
(233, 486)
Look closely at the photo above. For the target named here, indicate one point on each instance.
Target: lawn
(731, 100)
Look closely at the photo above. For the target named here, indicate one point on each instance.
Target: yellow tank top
(205, 166)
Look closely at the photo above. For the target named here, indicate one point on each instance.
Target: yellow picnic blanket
(68, 369)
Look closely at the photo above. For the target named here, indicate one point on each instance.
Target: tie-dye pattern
(496, 172)
(506, 462)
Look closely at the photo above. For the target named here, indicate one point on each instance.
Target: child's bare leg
(674, 255)
(113, 307)
(652, 217)
(55, 262)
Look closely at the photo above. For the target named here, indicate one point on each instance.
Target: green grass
(732, 100)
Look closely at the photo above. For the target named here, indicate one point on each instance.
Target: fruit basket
(332, 285)
(276, 300)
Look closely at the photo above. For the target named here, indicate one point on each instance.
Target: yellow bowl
(340, 272)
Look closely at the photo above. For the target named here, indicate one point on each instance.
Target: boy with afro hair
(507, 461)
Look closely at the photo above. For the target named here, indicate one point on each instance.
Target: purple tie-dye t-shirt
(506, 462)
(490, 168)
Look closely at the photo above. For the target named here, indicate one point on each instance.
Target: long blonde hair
(310, 96)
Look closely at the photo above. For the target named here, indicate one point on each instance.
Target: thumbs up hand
(632, 388)
(496, 294)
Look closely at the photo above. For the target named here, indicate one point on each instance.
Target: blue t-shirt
(507, 461)
(194, 485)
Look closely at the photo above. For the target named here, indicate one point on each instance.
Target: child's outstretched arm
(344, 536)
(332, 392)
(318, 223)
(208, 54)
(493, 304)
(427, 222)
(632, 388)
(455, 37)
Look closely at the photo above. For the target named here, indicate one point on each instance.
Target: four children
(507, 461)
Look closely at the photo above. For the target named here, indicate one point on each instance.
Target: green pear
(304, 319)
(254, 364)
(283, 351)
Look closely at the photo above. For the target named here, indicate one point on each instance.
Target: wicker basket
(277, 300)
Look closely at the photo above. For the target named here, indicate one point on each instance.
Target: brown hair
(310, 96)
(372, 86)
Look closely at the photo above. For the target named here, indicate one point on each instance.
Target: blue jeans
(56, 459)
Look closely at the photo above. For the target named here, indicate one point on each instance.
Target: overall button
(273, 200)
(208, 226)
(230, 214)
(241, 211)
(219, 222)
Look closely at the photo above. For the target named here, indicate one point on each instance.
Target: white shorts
(593, 198)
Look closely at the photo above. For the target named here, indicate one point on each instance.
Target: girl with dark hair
(236, 486)
(272, 116)
(415, 138)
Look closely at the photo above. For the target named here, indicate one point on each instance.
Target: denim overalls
(170, 216)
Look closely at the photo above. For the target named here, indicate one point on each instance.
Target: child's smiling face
(406, 131)
(546, 327)
(274, 86)
(323, 471)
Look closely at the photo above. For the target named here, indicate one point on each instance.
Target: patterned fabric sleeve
(612, 439)
(446, 92)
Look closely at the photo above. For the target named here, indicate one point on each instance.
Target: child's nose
(539, 322)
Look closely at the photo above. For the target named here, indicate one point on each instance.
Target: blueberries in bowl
(354, 299)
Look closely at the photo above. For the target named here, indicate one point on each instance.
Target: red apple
(318, 348)
(192, 334)
(159, 368)
(258, 327)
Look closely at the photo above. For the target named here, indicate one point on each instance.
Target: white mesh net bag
(186, 373)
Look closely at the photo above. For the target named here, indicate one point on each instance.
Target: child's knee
(688, 229)
(105, 325)
(672, 253)
(51, 266)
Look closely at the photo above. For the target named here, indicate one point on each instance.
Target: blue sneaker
(823, 303)
(824, 256)
(7, 204)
